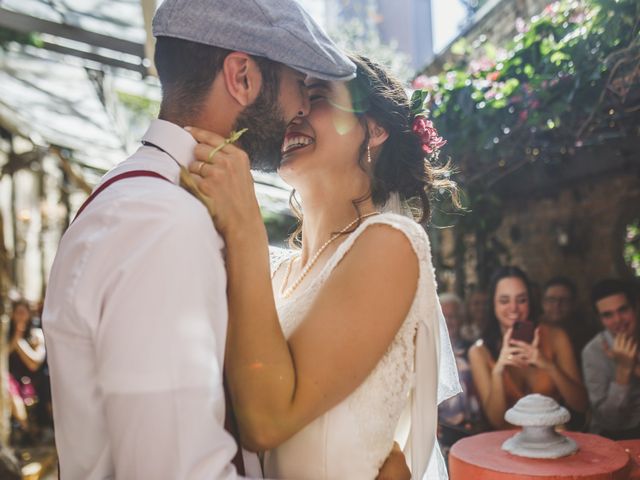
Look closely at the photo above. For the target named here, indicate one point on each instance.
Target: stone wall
(577, 231)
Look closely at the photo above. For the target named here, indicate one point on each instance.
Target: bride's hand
(222, 173)
(395, 466)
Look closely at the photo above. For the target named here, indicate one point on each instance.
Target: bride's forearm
(259, 366)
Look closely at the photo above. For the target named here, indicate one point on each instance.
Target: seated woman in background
(505, 370)
(26, 356)
(560, 308)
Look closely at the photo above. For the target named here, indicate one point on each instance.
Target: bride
(341, 348)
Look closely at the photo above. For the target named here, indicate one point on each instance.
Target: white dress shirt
(135, 321)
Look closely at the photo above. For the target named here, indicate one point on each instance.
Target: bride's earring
(368, 154)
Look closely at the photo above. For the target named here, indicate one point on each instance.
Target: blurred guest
(559, 301)
(504, 369)
(460, 415)
(610, 362)
(471, 330)
(559, 305)
(453, 311)
(26, 356)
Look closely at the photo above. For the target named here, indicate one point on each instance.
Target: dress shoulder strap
(412, 230)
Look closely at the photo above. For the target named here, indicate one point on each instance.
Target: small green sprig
(233, 138)
(187, 182)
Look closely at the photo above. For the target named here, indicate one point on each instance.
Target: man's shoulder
(170, 212)
(135, 212)
(152, 200)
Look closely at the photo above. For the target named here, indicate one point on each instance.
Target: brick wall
(577, 231)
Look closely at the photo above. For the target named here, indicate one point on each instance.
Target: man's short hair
(563, 282)
(612, 286)
(187, 70)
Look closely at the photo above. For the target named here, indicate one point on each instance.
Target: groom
(135, 315)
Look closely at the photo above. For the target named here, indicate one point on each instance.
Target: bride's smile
(324, 147)
(294, 141)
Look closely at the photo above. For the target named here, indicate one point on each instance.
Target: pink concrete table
(480, 458)
(632, 447)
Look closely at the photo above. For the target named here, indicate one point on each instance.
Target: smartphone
(523, 331)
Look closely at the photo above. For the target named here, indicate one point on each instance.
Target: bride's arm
(278, 387)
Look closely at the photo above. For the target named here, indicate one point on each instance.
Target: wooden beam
(27, 24)
(94, 57)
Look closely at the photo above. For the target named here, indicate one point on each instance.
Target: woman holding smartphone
(516, 357)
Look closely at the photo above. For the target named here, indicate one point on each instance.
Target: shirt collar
(173, 139)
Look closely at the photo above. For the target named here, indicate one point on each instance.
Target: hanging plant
(570, 80)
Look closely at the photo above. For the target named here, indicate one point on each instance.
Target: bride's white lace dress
(352, 440)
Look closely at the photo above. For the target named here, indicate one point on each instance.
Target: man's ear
(242, 78)
(377, 134)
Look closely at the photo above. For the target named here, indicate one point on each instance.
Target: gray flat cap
(280, 30)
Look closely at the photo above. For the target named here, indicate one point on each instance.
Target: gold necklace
(286, 292)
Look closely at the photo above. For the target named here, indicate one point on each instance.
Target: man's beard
(266, 128)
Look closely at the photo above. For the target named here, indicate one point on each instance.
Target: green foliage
(138, 105)
(550, 94)
(569, 81)
(419, 101)
(7, 36)
(278, 226)
(632, 247)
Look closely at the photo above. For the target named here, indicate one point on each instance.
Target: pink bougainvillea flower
(493, 76)
(521, 25)
(422, 82)
(428, 134)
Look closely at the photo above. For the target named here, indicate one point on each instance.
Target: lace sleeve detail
(379, 401)
(435, 376)
(278, 256)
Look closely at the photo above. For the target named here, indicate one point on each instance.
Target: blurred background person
(476, 315)
(460, 415)
(610, 362)
(26, 357)
(559, 301)
(560, 308)
(454, 314)
(505, 370)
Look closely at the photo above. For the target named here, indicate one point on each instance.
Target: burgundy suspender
(112, 180)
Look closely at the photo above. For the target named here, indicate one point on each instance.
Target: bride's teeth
(295, 142)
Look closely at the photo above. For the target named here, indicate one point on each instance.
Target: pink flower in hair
(428, 134)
